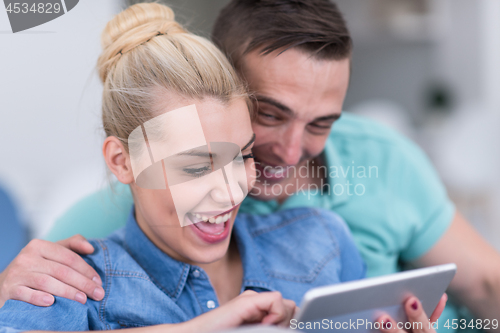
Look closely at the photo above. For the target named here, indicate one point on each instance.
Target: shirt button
(196, 273)
(210, 304)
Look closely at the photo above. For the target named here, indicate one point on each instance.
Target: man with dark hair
(295, 57)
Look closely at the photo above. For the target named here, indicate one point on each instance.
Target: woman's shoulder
(300, 248)
(303, 219)
(111, 257)
(296, 244)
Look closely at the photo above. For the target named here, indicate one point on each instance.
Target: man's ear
(117, 159)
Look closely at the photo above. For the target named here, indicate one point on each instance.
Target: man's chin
(266, 190)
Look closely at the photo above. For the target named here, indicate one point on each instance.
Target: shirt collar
(171, 275)
(253, 272)
(166, 273)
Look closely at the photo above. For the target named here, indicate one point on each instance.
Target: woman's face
(207, 177)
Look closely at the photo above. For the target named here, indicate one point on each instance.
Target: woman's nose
(221, 194)
(233, 189)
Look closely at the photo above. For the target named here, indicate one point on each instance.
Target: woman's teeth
(216, 220)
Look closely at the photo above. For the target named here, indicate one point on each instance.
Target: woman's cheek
(187, 196)
(251, 173)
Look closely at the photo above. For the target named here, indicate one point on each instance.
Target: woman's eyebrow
(195, 152)
(249, 143)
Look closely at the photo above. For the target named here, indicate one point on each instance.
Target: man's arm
(43, 269)
(477, 282)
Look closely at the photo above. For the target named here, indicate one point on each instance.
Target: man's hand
(43, 269)
(268, 308)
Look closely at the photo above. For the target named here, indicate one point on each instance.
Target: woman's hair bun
(132, 27)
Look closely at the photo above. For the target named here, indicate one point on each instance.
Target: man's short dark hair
(314, 26)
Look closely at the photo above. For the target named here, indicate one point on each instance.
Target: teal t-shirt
(382, 184)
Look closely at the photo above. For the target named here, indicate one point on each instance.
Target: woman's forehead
(220, 121)
(228, 122)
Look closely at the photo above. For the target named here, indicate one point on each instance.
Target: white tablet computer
(355, 306)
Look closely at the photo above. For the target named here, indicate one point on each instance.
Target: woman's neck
(226, 274)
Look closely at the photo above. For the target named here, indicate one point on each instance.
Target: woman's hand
(417, 319)
(43, 269)
(268, 308)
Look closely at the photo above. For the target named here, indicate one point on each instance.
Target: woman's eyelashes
(247, 156)
(202, 170)
(198, 171)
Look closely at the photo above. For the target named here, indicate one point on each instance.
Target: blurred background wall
(429, 68)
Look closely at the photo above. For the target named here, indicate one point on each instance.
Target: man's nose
(289, 147)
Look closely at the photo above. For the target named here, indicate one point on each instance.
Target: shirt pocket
(298, 249)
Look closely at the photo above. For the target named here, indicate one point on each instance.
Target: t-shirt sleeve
(420, 200)
(63, 315)
(95, 216)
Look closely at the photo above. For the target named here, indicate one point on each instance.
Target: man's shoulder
(356, 138)
(354, 127)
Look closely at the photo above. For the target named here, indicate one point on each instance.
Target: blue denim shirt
(290, 251)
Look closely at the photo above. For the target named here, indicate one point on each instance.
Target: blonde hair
(146, 52)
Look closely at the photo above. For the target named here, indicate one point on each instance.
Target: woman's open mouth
(209, 227)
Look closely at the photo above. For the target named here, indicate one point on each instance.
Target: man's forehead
(284, 56)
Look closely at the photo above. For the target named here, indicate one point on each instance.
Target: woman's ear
(117, 159)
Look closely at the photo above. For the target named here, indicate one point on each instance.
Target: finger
(387, 324)
(47, 283)
(417, 316)
(35, 297)
(272, 303)
(74, 279)
(78, 244)
(289, 312)
(295, 311)
(248, 292)
(58, 253)
(439, 308)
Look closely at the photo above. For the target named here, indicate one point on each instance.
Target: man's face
(299, 99)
